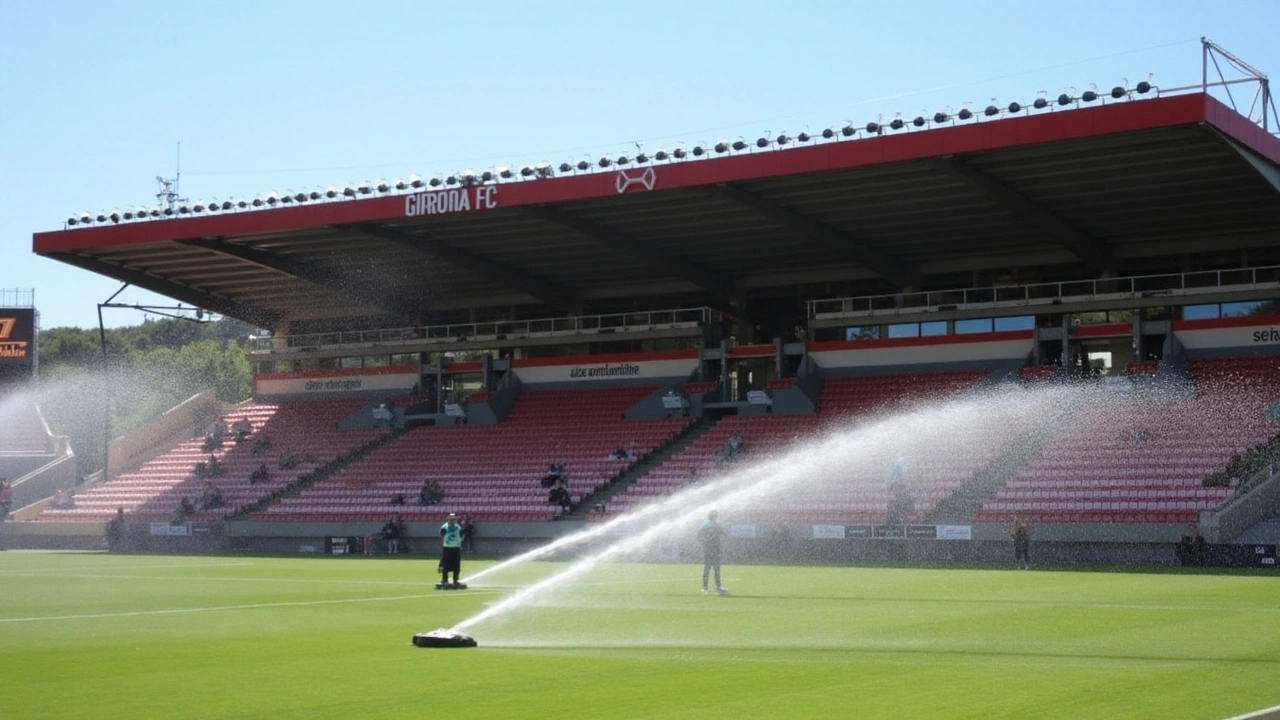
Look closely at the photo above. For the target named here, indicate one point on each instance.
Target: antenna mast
(169, 194)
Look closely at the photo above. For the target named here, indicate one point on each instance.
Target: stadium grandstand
(637, 319)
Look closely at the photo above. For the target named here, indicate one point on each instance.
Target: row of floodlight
(545, 169)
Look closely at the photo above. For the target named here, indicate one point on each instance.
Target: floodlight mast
(1262, 101)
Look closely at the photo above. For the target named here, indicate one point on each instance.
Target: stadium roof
(1129, 187)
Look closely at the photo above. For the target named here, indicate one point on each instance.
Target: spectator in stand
(733, 446)
(62, 500)
(391, 532)
(1020, 531)
(261, 445)
(242, 429)
(261, 474)
(211, 442)
(6, 498)
(210, 497)
(287, 460)
(559, 495)
(213, 468)
(183, 511)
(115, 532)
(554, 472)
(429, 494)
(622, 453)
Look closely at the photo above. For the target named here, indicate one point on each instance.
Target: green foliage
(150, 368)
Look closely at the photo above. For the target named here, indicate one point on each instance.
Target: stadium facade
(1123, 240)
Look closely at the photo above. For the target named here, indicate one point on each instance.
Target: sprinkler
(443, 638)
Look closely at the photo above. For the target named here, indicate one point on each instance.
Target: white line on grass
(217, 608)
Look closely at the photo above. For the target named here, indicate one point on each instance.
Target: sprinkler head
(443, 638)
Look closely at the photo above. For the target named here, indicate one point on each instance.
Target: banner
(383, 381)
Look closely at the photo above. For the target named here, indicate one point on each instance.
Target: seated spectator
(429, 494)
(287, 460)
(554, 472)
(210, 497)
(62, 500)
(261, 445)
(397, 499)
(183, 511)
(733, 445)
(211, 442)
(242, 429)
(261, 474)
(468, 531)
(621, 454)
(6, 498)
(200, 471)
(212, 468)
(559, 495)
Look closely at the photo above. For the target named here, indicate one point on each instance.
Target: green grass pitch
(109, 636)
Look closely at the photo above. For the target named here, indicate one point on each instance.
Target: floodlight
(1118, 92)
(331, 192)
(243, 204)
(642, 158)
(272, 199)
(605, 161)
(365, 188)
(848, 131)
(168, 211)
(782, 139)
(623, 160)
(1144, 87)
(1014, 107)
(313, 195)
(257, 202)
(828, 133)
(1064, 99)
(698, 151)
(803, 137)
(349, 191)
(505, 173)
(565, 167)
(543, 169)
(415, 181)
(72, 221)
(435, 181)
(526, 171)
(101, 218)
(739, 145)
(964, 114)
(128, 215)
(678, 153)
(991, 111)
(198, 207)
(722, 147)
(896, 124)
(1089, 96)
(451, 180)
(940, 117)
(919, 121)
(468, 177)
(873, 128)
(584, 165)
(1040, 103)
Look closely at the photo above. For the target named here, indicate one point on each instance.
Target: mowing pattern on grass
(84, 635)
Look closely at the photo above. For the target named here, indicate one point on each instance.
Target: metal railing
(388, 339)
(17, 297)
(1123, 288)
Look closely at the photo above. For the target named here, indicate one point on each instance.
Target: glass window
(1241, 309)
(1199, 312)
(1021, 322)
(862, 332)
(970, 327)
(904, 330)
(933, 328)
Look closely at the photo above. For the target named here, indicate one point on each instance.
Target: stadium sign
(17, 330)
(452, 200)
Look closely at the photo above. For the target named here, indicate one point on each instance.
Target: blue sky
(270, 96)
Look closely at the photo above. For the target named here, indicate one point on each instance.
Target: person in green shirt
(450, 552)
